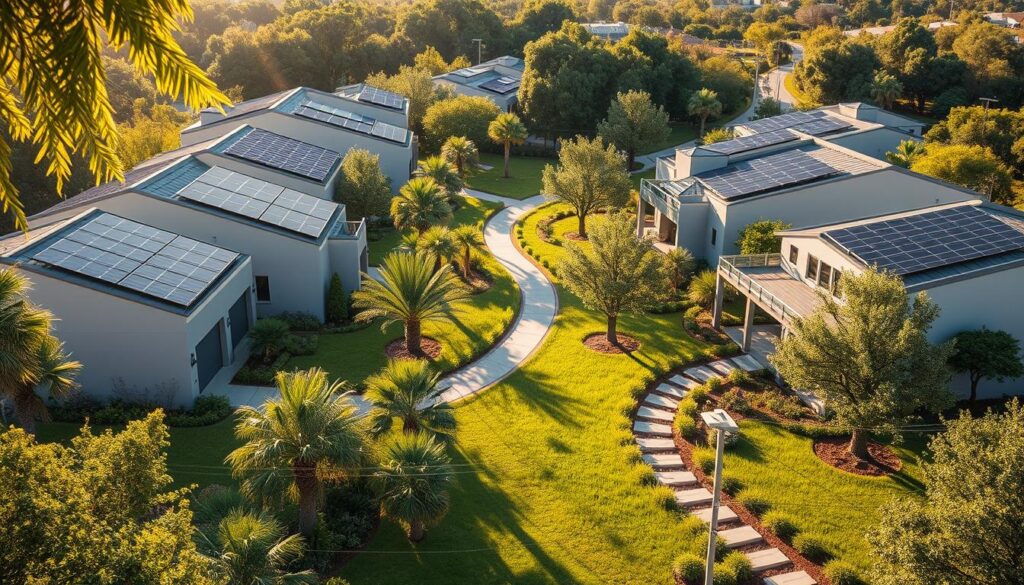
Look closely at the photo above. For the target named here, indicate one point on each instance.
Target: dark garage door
(239, 315)
(209, 357)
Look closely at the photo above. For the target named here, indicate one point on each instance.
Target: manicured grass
(791, 87)
(552, 252)
(637, 177)
(680, 133)
(524, 183)
(472, 211)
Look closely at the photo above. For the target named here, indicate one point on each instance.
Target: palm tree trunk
(974, 388)
(581, 228)
(413, 336)
(465, 263)
(416, 530)
(23, 412)
(613, 337)
(306, 482)
(409, 425)
(508, 148)
(859, 444)
(701, 133)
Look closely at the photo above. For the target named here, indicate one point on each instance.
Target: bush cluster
(206, 410)
(840, 573)
(781, 524)
(688, 568)
(812, 548)
(260, 375)
(735, 401)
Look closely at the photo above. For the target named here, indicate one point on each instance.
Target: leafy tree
(467, 237)
(984, 353)
(994, 61)
(969, 529)
(125, 85)
(837, 71)
(589, 176)
(729, 79)
(616, 273)
(717, 135)
(997, 128)
(268, 337)
(409, 291)
(451, 25)
(431, 61)
(650, 62)
(506, 130)
(337, 301)
(906, 153)
(420, 204)
(759, 237)
(814, 15)
(703, 105)
(461, 152)
(868, 356)
(633, 123)
(364, 188)
(468, 116)
(98, 506)
(252, 549)
(55, 95)
(907, 53)
(974, 167)
(288, 442)
(766, 38)
(407, 390)
(539, 17)
(149, 134)
(416, 85)
(443, 173)
(413, 481)
(767, 107)
(885, 89)
(678, 264)
(702, 288)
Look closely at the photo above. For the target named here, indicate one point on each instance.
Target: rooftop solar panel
(501, 85)
(821, 126)
(782, 121)
(350, 121)
(134, 256)
(285, 154)
(928, 240)
(470, 71)
(262, 201)
(749, 177)
(752, 142)
(381, 97)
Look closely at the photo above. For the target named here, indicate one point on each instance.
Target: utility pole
(479, 50)
(757, 72)
(719, 420)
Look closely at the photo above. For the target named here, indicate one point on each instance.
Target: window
(824, 275)
(714, 236)
(834, 289)
(794, 254)
(262, 289)
(812, 268)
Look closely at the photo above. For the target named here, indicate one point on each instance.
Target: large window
(262, 289)
(794, 255)
(812, 268)
(825, 276)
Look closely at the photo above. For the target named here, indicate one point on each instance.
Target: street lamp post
(479, 50)
(719, 420)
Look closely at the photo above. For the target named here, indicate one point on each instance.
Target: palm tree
(409, 291)
(420, 204)
(702, 289)
(405, 389)
(252, 549)
(507, 129)
(312, 425)
(704, 104)
(885, 88)
(268, 337)
(906, 153)
(678, 264)
(443, 173)
(461, 152)
(413, 483)
(437, 241)
(32, 360)
(468, 238)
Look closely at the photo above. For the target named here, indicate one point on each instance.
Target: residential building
(1005, 19)
(934, 26)
(497, 80)
(148, 312)
(746, 4)
(875, 31)
(358, 116)
(718, 189)
(609, 31)
(967, 256)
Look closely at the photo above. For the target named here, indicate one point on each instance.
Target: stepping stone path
(653, 434)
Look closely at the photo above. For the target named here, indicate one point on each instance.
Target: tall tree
(589, 176)
(999, 129)
(407, 390)
(759, 237)
(443, 173)
(986, 354)
(766, 38)
(288, 442)
(616, 273)
(507, 130)
(420, 204)
(907, 52)
(836, 70)
(969, 529)
(451, 25)
(413, 481)
(539, 17)
(416, 85)
(906, 153)
(461, 152)
(467, 237)
(633, 123)
(868, 356)
(975, 167)
(678, 264)
(703, 105)
(464, 115)
(364, 188)
(252, 549)
(885, 89)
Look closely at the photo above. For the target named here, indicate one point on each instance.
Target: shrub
(337, 301)
(699, 395)
(467, 116)
(840, 573)
(268, 337)
(685, 426)
(666, 496)
(688, 406)
(734, 400)
(781, 524)
(757, 506)
(704, 459)
(812, 548)
(300, 321)
(301, 344)
(736, 568)
(777, 402)
(731, 485)
(206, 410)
(688, 568)
(714, 384)
(740, 377)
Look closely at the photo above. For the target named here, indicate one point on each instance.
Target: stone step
(655, 429)
(652, 445)
(723, 367)
(769, 558)
(701, 373)
(740, 536)
(794, 578)
(725, 515)
(671, 390)
(657, 460)
(684, 382)
(747, 362)
(661, 401)
(693, 497)
(675, 478)
(654, 414)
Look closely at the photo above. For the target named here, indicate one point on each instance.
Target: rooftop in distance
(499, 76)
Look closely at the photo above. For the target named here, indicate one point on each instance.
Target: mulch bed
(575, 237)
(835, 452)
(431, 348)
(477, 282)
(599, 343)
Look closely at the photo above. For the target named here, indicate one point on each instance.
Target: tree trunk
(859, 444)
(465, 263)
(508, 149)
(416, 531)
(974, 388)
(700, 134)
(460, 167)
(581, 228)
(409, 425)
(306, 482)
(613, 337)
(412, 336)
(630, 160)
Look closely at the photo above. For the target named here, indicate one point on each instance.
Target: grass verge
(525, 181)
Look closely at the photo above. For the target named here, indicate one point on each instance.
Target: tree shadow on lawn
(540, 392)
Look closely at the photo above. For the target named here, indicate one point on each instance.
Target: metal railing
(349, 230)
(729, 267)
(654, 194)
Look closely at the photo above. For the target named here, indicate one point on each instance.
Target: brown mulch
(575, 237)
(599, 342)
(431, 348)
(477, 282)
(835, 452)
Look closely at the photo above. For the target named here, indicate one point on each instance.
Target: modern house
(967, 256)
(875, 31)
(147, 311)
(358, 116)
(718, 189)
(497, 80)
(609, 31)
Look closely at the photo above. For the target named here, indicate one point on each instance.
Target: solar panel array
(757, 175)
(752, 142)
(501, 85)
(821, 126)
(928, 240)
(381, 97)
(138, 257)
(285, 154)
(351, 121)
(260, 200)
(783, 121)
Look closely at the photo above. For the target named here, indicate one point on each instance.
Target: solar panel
(285, 154)
(757, 175)
(501, 85)
(350, 121)
(139, 257)
(782, 121)
(821, 126)
(928, 240)
(752, 142)
(381, 97)
(389, 132)
(260, 200)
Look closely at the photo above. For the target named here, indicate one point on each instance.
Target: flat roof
(500, 76)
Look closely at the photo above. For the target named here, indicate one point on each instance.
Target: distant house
(609, 31)
(934, 26)
(876, 31)
(968, 256)
(747, 4)
(497, 80)
(144, 309)
(1005, 19)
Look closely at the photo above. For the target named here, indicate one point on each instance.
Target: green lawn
(524, 183)
(680, 133)
(552, 252)
(637, 177)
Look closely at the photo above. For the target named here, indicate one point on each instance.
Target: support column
(716, 312)
(639, 217)
(748, 324)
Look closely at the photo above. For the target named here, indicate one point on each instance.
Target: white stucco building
(497, 80)
(145, 310)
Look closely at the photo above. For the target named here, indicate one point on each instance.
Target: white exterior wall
(814, 246)
(875, 142)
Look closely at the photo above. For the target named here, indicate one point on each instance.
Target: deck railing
(729, 267)
(349, 230)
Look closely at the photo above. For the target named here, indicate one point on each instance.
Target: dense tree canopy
(975, 167)
(451, 25)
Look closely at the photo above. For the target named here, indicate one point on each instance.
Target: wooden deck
(796, 295)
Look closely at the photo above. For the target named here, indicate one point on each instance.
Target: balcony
(349, 230)
(763, 279)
